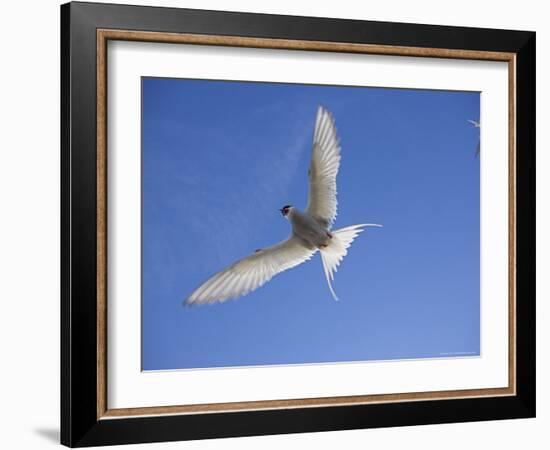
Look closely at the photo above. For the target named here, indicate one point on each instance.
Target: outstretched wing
(325, 162)
(251, 272)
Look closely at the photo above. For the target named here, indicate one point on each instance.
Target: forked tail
(334, 252)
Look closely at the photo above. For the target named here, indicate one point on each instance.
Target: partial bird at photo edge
(311, 229)
(478, 126)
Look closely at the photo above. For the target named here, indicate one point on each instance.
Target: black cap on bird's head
(285, 209)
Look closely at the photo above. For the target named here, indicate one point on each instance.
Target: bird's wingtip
(322, 108)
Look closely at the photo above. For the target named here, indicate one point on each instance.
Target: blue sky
(220, 158)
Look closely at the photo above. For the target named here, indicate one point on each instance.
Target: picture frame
(86, 29)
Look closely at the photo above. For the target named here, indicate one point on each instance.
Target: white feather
(248, 274)
(333, 254)
(323, 169)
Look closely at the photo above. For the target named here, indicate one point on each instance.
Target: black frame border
(79, 423)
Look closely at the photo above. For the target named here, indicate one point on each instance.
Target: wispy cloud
(224, 208)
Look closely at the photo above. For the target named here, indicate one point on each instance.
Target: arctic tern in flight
(311, 229)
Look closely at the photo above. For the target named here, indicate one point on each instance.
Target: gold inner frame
(103, 36)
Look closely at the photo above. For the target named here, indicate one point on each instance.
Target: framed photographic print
(276, 224)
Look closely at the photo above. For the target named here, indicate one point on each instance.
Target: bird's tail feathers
(334, 252)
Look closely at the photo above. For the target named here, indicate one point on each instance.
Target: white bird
(311, 229)
(476, 125)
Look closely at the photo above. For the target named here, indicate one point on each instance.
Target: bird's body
(308, 229)
(311, 229)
